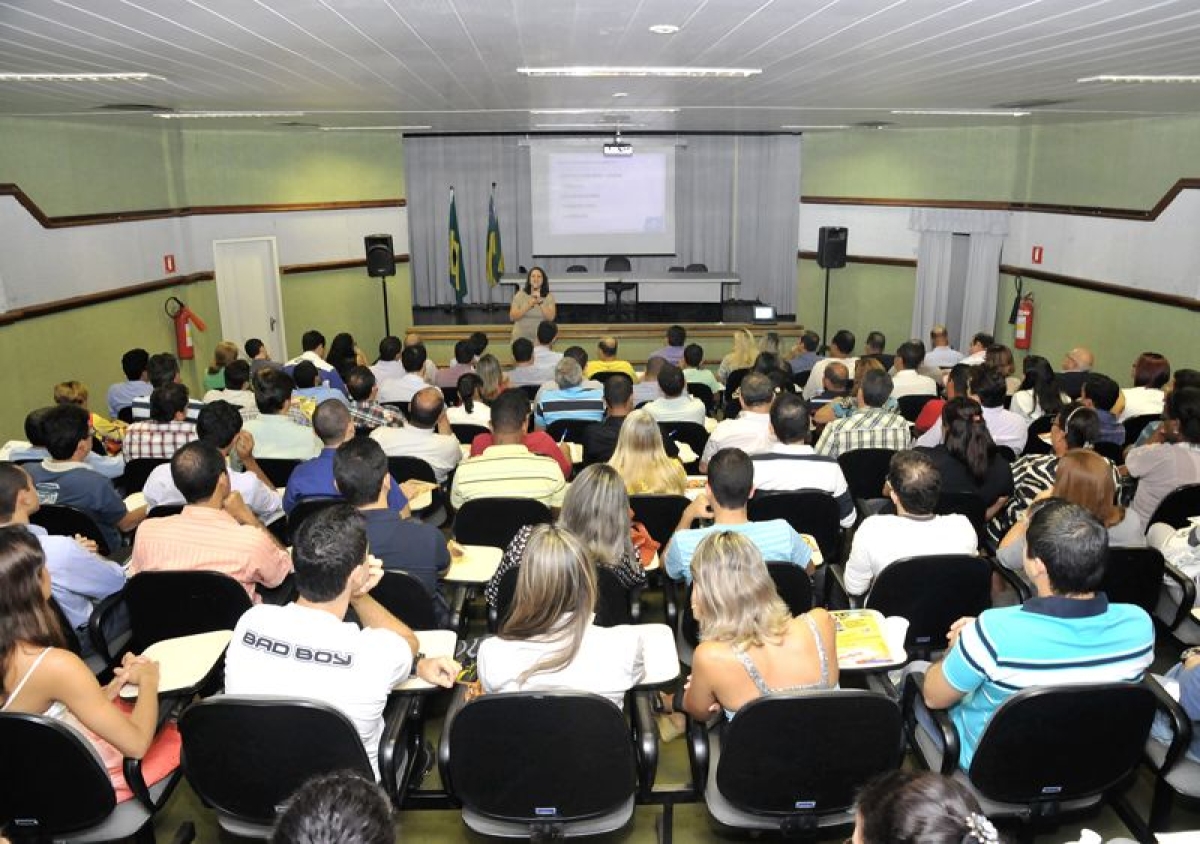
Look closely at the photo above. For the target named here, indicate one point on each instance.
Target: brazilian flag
(495, 252)
(457, 280)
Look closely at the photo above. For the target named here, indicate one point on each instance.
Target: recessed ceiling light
(602, 111)
(601, 71)
(664, 29)
(961, 112)
(795, 128)
(373, 128)
(79, 77)
(1140, 78)
(185, 115)
(619, 94)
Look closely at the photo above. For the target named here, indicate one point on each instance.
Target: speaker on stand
(831, 255)
(381, 263)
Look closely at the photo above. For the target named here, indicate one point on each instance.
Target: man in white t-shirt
(306, 650)
(913, 485)
(907, 380)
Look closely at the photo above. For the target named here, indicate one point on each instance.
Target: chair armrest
(1181, 725)
(132, 768)
(493, 619)
(1011, 578)
(635, 604)
(645, 734)
(395, 730)
(913, 709)
(697, 739)
(836, 596)
(457, 702)
(458, 606)
(1189, 593)
(99, 616)
(671, 600)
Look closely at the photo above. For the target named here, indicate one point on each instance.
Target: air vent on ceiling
(1031, 104)
(147, 107)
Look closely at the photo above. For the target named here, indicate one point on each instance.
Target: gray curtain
(736, 208)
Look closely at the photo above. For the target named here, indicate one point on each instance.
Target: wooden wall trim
(877, 260)
(87, 299)
(1104, 287)
(68, 221)
(1144, 215)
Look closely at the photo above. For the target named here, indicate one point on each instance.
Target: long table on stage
(588, 288)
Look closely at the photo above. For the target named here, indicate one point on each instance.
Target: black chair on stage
(1178, 507)
(277, 469)
(64, 520)
(697, 268)
(136, 472)
(495, 521)
(614, 291)
(617, 264)
(676, 269)
(577, 268)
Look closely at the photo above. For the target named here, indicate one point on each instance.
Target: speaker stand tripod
(825, 316)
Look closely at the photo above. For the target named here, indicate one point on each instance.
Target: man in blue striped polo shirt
(1068, 633)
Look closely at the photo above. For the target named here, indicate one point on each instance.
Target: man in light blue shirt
(136, 383)
(571, 399)
(724, 500)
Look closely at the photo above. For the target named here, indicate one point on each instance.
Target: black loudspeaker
(831, 247)
(381, 261)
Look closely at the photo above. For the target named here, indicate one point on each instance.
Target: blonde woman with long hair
(641, 459)
(548, 640)
(596, 512)
(745, 352)
(751, 645)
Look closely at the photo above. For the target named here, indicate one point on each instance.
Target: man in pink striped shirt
(216, 531)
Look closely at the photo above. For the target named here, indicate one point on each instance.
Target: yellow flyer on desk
(860, 638)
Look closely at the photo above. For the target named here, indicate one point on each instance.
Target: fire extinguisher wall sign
(1024, 323)
(184, 319)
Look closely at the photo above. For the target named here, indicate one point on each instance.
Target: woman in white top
(1151, 372)
(39, 676)
(549, 641)
(470, 410)
(1040, 393)
(532, 304)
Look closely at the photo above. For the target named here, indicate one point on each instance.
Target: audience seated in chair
(570, 398)
(1040, 392)
(162, 369)
(675, 404)
(1076, 365)
(641, 459)
(646, 389)
(608, 362)
(427, 434)
(167, 428)
(40, 676)
(986, 386)
(313, 344)
(464, 363)
(34, 450)
(1102, 395)
(1172, 457)
(365, 409)
(907, 380)
(750, 431)
(940, 353)
(237, 390)
(841, 349)
(967, 459)
(673, 352)
(913, 485)
(332, 575)
(276, 433)
(871, 425)
(600, 440)
(215, 532)
(64, 478)
(470, 409)
(548, 640)
(311, 388)
(724, 500)
(524, 372)
(1068, 632)
(137, 382)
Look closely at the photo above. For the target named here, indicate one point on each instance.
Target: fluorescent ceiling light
(185, 115)
(961, 112)
(664, 29)
(596, 71)
(80, 77)
(1140, 78)
(603, 111)
(805, 128)
(587, 125)
(373, 128)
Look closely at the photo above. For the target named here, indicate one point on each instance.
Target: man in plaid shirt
(167, 429)
(365, 411)
(871, 426)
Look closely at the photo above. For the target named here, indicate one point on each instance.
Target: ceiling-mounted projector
(617, 147)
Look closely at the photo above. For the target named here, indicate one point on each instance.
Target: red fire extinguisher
(184, 319)
(1024, 322)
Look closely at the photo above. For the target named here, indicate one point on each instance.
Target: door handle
(272, 323)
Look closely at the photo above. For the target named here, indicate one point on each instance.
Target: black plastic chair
(406, 468)
(1134, 426)
(450, 395)
(577, 268)
(570, 430)
(1110, 451)
(407, 599)
(794, 763)
(932, 592)
(676, 269)
(733, 382)
(617, 264)
(808, 511)
(63, 520)
(911, 406)
(544, 765)
(705, 394)
(1176, 508)
(466, 434)
(277, 469)
(495, 521)
(136, 472)
(659, 513)
(1034, 444)
(692, 433)
(125, 414)
(967, 504)
(1136, 576)
(1047, 751)
(866, 471)
(164, 510)
(306, 508)
(696, 268)
(245, 755)
(800, 379)
(53, 786)
(614, 603)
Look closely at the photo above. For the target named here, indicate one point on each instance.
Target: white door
(247, 272)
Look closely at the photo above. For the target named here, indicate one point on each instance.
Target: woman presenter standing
(532, 304)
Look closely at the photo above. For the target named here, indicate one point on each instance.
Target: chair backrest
(1062, 743)
(808, 511)
(167, 604)
(246, 755)
(530, 390)
(410, 468)
(1034, 444)
(807, 753)
(450, 395)
(306, 508)
(967, 504)
(692, 433)
(64, 520)
(52, 780)
(136, 472)
(612, 598)
(278, 469)
(1134, 426)
(617, 264)
(407, 599)
(1007, 453)
(164, 510)
(705, 394)
(932, 593)
(697, 268)
(577, 268)
(495, 521)
(570, 430)
(865, 470)
(800, 379)
(732, 382)
(676, 269)
(465, 433)
(1176, 508)
(125, 414)
(1134, 576)
(793, 584)
(517, 756)
(911, 406)
(659, 513)
(1110, 451)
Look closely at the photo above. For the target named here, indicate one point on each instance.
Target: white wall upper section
(44, 265)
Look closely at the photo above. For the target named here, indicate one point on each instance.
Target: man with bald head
(427, 434)
(608, 362)
(835, 384)
(1076, 364)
